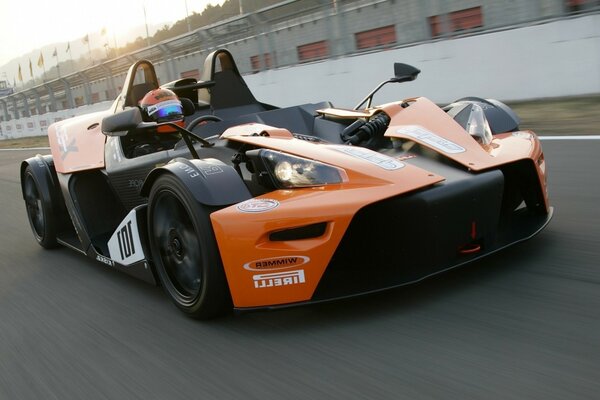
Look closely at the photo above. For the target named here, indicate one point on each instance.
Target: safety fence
(37, 125)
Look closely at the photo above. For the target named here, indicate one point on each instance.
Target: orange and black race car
(229, 202)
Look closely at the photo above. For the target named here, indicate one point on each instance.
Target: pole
(187, 16)
(146, 23)
(115, 41)
(71, 58)
(90, 50)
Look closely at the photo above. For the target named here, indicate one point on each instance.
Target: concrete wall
(560, 58)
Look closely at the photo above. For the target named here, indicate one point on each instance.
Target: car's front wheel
(184, 250)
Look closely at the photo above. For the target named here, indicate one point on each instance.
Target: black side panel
(98, 205)
(127, 175)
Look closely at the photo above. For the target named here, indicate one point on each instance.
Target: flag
(55, 54)
(68, 47)
(30, 68)
(85, 39)
(20, 74)
(41, 60)
(103, 31)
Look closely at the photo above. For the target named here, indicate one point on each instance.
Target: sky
(29, 24)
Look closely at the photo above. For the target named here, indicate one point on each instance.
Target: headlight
(288, 171)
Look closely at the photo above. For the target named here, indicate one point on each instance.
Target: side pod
(211, 182)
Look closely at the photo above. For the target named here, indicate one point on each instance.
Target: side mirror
(122, 122)
(404, 73)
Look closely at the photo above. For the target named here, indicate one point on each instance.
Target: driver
(162, 105)
(158, 105)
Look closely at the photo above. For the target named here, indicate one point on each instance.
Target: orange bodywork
(77, 144)
(261, 272)
(243, 238)
(504, 148)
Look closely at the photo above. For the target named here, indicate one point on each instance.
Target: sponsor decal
(189, 170)
(279, 279)
(65, 145)
(406, 157)
(105, 260)
(381, 160)
(125, 245)
(257, 205)
(206, 170)
(135, 183)
(276, 263)
(210, 169)
(125, 239)
(432, 139)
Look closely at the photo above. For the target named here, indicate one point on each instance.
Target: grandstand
(285, 34)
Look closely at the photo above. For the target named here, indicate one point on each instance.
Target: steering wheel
(195, 123)
(200, 119)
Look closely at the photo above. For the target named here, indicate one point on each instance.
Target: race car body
(256, 206)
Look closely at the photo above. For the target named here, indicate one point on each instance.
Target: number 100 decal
(124, 245)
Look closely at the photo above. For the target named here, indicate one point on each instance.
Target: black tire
(39, 210)
(184, 250)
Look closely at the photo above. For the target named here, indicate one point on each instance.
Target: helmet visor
(166, 109)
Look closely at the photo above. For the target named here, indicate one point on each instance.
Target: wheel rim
(35, 210)
(178, 245)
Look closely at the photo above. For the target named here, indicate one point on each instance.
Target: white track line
(26, 148)
(573, 137)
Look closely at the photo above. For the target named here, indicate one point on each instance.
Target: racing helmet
(163, 105)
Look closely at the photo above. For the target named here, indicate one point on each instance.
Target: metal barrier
(37, 125)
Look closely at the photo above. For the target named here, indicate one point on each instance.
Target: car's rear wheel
(39, 210)
(184, 250)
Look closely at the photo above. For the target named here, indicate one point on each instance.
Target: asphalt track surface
(522, 324)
